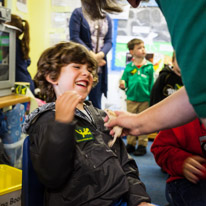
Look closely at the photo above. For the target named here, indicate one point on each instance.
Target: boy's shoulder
(129, 66)
(33, 116)
(95, 110)
(167, 70)
(148, 64)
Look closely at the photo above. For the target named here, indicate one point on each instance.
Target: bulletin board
(146, 23)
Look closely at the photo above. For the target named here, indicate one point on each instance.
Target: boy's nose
(85, 71)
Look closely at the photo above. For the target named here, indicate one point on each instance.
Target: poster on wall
(66, 3)
(59, 20)
(60, 3)
(59, 23)
(22, 5)
(147, 24)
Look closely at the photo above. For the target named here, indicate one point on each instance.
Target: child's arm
(178, 157)
(124, 79)
(168, 153)
(52, 142)
(122, 84)
(65, 106)
(75, 27)
(52, 150)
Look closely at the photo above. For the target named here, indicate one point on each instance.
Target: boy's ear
(48, 78)
(131, 52)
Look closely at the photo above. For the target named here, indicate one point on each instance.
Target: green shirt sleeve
(186, 22)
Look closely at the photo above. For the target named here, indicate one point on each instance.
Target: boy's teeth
(82, 83)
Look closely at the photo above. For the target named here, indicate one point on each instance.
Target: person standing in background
(137, 80)
(22, 50)
(96, 35)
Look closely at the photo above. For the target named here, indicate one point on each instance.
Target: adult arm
(125, 76)
(75, 26)
(171, 112)
(183, 28)
(108, 38)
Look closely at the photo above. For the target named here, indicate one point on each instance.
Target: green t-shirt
(138, 81)
(186, 21)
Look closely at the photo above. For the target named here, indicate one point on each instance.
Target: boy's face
(75, 77)
(138, 51)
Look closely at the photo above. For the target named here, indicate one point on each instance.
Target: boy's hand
(65, 106)
(193, 169)
(122, 84)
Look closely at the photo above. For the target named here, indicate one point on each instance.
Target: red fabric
(171, 147)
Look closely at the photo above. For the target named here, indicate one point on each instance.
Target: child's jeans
(183, 192)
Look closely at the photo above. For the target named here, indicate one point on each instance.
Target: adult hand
(101, 62)
(99, 58)
(193, 168)
(65, 106)
(124, 119)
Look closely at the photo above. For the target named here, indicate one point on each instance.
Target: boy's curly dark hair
(54, 58)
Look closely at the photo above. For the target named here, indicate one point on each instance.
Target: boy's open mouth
(82, 83)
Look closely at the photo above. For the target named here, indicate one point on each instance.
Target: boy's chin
(83, 98)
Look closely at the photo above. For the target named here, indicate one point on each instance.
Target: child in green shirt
(137, 80)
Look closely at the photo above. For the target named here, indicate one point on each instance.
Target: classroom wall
(43, 31)
(38, 16)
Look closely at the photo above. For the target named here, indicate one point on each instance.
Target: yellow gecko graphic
(133, 71)
(84, 132)
(178, 86)
(21, 90)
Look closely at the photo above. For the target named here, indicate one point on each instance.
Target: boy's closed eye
(77, 66)
(90, 69)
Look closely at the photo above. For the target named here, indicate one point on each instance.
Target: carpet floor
(152, 176)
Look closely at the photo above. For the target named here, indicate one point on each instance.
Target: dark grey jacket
(76, 165)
